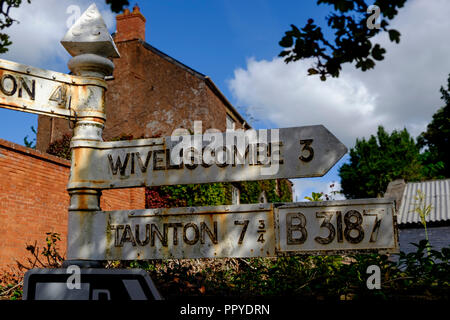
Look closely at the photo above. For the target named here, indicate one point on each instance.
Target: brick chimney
(130, 25)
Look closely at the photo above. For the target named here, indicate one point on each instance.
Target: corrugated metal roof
(437, 193)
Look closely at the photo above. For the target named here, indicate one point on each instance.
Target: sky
(235, 43)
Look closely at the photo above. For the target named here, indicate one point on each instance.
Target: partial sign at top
(298, 152)
(51, 93)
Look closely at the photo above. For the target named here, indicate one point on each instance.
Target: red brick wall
(34, 200)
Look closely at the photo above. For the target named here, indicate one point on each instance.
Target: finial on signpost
(91, 47)
(90, 44)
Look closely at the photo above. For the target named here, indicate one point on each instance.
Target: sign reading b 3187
(39, 91)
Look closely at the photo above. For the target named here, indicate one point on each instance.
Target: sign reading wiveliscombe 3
(252, 230)
(308, 151)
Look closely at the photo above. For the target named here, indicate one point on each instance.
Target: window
(231, 124)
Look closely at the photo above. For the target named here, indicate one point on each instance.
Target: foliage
(189, 195)
(379, 160)
(315, 196)
(51, 256)
(11, 284)
(410, 276)
(30, 144)
(352, 41)
(214, 194)
(61, 147)
(6, 21)
(423, 210)
(436, 140)
(117, 5)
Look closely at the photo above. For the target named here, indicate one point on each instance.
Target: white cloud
(42, 25)
(402, 91)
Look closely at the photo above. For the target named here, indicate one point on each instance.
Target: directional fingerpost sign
(308, 151)
(39, 91)
(251, 230)
(89, 284)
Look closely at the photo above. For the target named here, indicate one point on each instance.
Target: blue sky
(236, 44)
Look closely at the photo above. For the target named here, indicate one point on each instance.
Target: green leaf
(377, 52)
(286, 42)
(394, 35)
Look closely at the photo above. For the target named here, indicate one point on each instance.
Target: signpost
(55, 94)
(238, 231)
(308, 151)
(252, 230)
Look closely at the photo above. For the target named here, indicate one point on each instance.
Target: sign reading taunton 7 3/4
(51, 93)
(252, 230)
(308, 151)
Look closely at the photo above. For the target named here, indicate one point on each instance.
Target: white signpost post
(252, 230)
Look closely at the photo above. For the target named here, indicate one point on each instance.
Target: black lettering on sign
(8, 90)
(275, 150)
(143, 165)
(194, 227)
(158, 161)
(175, 231)
(376, 226)
(340, 237)
(237, 157)
(127, 236)
(207, 150)
(326, 224)
(291, 227)
(10, 85)
(59, 95)
(117, 228)
(244, 229)
(307, 147)
(118, 166)
(191, 164)
(147, 235)
(212, 236)
(162, 237)
(24, 85)
(226, 156)
(349, 226)
(261, 238)
(261, 230)
(262, 154)
(132, 163)
(169, 160)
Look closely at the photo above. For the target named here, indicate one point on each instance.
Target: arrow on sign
(50, 93)
(297, 152)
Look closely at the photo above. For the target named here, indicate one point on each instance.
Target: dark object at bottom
(89, 284)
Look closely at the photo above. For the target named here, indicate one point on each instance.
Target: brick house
(151, 93)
